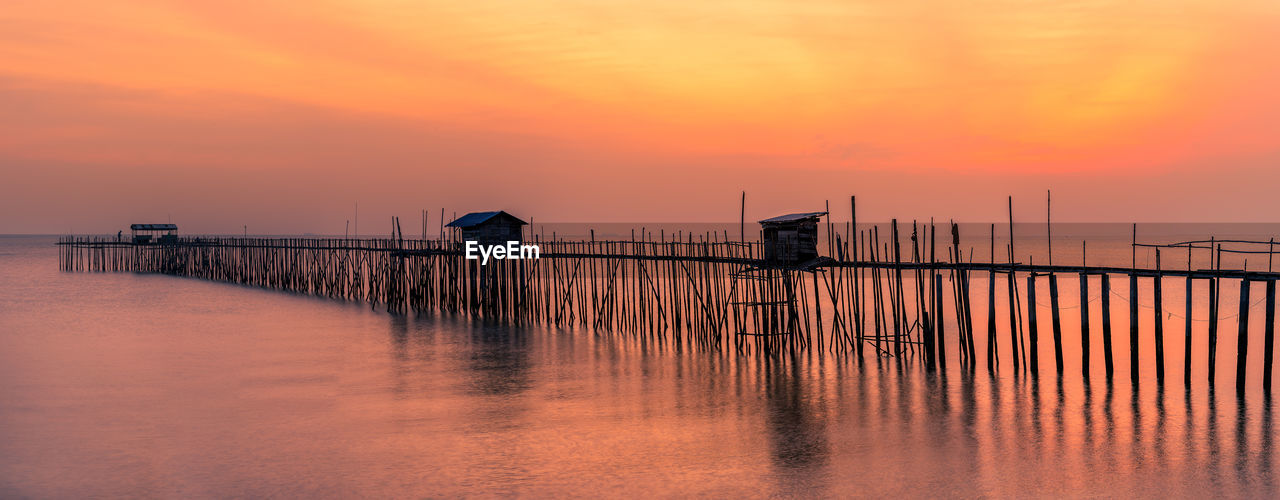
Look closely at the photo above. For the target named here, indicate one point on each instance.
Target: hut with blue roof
(489, 228)
(791, 238)
(147, 233)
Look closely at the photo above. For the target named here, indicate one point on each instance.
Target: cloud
(264, 113)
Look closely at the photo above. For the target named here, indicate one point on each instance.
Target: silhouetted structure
(791, 238)
(489, 228)
(144, 233)
(770, 296)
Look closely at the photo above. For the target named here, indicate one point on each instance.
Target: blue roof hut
(791, 239)
(143, 233)
(489, 228)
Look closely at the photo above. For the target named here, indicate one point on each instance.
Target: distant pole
(742, 219)
(1048, 222)
(853, 213)
(357, 219)
(830, 243)
(246, 231)
(1011, 252)
(346, 231)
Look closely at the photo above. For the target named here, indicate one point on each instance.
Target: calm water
(123, 385)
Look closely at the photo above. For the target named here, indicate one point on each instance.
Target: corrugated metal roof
(153, 227)
(476, 218)
(793, 217)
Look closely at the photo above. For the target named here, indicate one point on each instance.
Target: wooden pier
(861, 299)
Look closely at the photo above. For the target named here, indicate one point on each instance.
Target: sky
(283, 116)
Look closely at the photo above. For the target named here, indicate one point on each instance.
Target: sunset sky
(283, 115)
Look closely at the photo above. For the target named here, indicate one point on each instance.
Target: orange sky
(224, 113)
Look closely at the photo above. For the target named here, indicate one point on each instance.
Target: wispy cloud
(986, 88)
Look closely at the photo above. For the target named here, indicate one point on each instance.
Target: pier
(863, 296)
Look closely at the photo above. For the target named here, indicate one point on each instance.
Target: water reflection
(797, 431)
(262, 394)
(1243, 459)
(1266, 459)
(1213, 454)
(826, 421)
(411, 355)
(498, 359)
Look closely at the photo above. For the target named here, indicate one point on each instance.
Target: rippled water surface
(124, 385)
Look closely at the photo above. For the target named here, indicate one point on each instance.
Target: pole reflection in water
(797, 429)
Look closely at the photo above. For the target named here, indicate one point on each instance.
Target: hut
(791, 238)
(144, 233)
(489, 228)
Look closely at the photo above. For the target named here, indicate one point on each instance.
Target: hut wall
(492, 233)
(791, 243)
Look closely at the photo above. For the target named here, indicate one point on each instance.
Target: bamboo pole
(1158, 302)
(1106, 326)
(1084, 325)
(1133, 328)
(1033, 330)
(1057, 324)
(1242, 337)
(1269, 335)
(1186, 346)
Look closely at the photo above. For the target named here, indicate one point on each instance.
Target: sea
(124, 385)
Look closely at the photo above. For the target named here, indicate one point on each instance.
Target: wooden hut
(489, 228)
(791, 238)
(145, 233)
